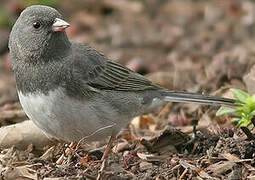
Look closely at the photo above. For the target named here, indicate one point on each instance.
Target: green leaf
(250, 102)
(225, 110)
(235, 119)
(253, 113)
(244, 110)
(244, 121)
(239, 95)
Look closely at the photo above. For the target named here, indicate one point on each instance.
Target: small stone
(143, 166)
(120, 147)
(125, 153)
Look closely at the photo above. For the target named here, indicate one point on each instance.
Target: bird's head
(39, 33)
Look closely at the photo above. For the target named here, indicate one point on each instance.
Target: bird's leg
(67, 151)
(194, 134)
(108, 147)
(194, 130)
(72, 145)
(194, 123)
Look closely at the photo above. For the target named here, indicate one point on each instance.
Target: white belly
(70, 119)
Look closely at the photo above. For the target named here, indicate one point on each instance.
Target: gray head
(38, 35)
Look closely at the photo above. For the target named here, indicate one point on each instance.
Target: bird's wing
(101, 73)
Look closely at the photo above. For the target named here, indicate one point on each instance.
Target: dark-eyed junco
(71, 91)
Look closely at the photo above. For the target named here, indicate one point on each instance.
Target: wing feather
(117, 77)
(99, 72)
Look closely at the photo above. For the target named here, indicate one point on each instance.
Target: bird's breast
(66, 118)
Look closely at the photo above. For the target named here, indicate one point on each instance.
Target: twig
(93, 133)
(89, 176)
(100, 172)
(183, 174)
(248, 133)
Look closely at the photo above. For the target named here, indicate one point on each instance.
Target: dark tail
(182, 96)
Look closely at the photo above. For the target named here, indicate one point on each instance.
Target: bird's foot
(65, 154)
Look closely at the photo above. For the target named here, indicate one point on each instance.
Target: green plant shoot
(244, 110)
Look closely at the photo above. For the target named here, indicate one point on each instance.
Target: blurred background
(195, 45)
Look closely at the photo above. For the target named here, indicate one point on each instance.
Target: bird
(71, 91)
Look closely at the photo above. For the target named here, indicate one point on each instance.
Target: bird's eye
(36, 25)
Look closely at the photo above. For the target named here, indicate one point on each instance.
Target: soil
(197, 46)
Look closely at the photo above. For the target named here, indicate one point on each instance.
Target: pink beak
(59, 25)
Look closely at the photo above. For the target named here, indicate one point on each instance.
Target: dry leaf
(144, 122)
(21, 172)
(152, 157)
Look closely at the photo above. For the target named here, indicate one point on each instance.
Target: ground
(197, 46)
